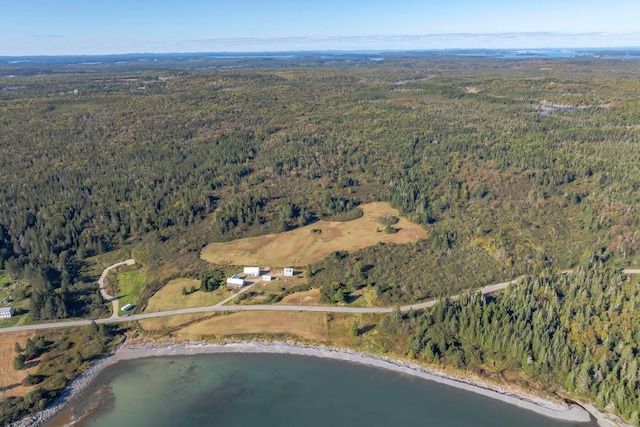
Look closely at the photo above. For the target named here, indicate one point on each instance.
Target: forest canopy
(474, 150)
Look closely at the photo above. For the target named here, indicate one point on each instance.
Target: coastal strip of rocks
(565, 412)
(73, 389)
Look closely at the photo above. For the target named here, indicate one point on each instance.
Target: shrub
(387, 219)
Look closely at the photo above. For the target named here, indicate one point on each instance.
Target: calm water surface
(279, 390)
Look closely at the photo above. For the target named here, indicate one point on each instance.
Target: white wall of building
(252, 271)
(235, 282)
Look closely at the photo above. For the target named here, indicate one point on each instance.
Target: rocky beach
(559, 411)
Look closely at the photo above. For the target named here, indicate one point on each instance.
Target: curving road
(103, 288)
(322, 309)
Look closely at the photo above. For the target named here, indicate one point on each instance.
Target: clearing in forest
(131, 284)
(10, 379)
(313, 242)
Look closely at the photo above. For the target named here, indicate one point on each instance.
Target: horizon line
(333, 51)
(368, 43)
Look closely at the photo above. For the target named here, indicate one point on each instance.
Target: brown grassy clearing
(311, 297)
(170, 322)
(301, 246)
(10, 379)
(170, 296)
(275, 286)
(262, 289)
(312, 326)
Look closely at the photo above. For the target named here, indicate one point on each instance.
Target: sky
(75, 27)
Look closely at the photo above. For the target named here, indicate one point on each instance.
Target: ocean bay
(278, 390)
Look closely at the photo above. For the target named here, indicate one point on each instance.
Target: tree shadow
(9, 387)
(19, 311)
(489, 298)
(351, 298)
(366, 329)
(31, 364)
(79, 269)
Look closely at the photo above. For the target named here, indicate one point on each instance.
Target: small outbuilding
(235, 281)
(288, 271)
(6, 312)
(267, 278)
(252, 271)
(127, 307)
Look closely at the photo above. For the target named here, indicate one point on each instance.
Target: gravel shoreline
(73, 389)
(565, 412)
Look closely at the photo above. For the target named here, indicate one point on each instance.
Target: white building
(6, 312)
(252, 271)
(267, 278)
(235, 281)
(127, 307)
(288, 271)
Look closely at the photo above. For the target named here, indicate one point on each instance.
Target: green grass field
(20, 305)
(13, 321)
(131, 285)
(4, 280)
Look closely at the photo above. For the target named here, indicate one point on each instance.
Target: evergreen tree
(18, 362)
(354, 331)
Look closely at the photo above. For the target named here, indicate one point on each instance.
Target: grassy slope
(302, 246)
(170, 296)
(10, 379)
(20, 306)
(131, 286)
(313, 328)
(310, 326)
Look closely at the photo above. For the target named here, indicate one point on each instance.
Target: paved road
(322, 309)
(103, 288)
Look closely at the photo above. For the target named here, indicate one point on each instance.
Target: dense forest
(484, 153)
(573, 333)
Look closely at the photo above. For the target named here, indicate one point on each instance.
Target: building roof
(232, 281)
(5, 309)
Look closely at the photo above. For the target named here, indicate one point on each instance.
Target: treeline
(442, 265)
(572, 332)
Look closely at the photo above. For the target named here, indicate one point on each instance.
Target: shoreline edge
(562, 412)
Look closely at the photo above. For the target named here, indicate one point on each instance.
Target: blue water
(280, 390)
